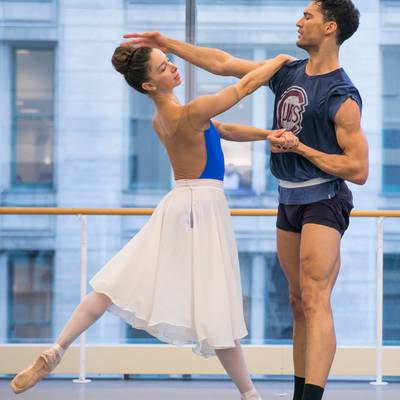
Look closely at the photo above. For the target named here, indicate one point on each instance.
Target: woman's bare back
(184, 143)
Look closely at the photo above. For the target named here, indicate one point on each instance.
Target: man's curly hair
(344, 13)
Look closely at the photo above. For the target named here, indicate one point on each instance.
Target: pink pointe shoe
(44, 364)
(252, 395)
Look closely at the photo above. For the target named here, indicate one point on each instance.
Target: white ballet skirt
(178, 278)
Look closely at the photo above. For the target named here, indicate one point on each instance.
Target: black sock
(312, 392)
(298, 388)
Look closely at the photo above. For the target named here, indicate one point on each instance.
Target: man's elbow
(228, 67)
(224, 66)
(359, 180)
(361, 177)
(219, 68)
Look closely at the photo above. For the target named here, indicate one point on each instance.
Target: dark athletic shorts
(333, 212)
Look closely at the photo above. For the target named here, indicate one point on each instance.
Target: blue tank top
(307, 105)
(215, 164)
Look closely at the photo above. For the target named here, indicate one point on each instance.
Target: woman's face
(164, 75)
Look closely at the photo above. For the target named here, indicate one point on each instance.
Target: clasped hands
(282, 141)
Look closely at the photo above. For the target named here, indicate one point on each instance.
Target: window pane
(30, 294)
(391, 160)
(34, 151)
(391, 299)
(34, 81)
(391, 119)
(33, 118)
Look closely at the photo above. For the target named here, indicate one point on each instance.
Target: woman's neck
(163, 100)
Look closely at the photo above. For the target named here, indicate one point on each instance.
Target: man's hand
(282, 141)
(154, 40)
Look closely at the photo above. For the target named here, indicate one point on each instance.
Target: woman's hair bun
(122, 58)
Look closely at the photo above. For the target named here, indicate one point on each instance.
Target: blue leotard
(215, 165)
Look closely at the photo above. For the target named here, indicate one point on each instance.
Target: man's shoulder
(286, 72)
(297, 63)
(293, 66)
(342, 83)
(340, 89)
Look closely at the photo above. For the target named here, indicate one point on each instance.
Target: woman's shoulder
(195, 119)
(168, 123)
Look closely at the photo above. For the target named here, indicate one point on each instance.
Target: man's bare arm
(352, 165)
(213, 60)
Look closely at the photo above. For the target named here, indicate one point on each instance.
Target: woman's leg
(86, 314)
(234, 364)
(88, 311)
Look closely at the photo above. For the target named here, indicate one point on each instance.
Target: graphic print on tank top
(290, 109)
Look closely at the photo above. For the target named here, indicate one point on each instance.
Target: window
(391, 298)
(33, 120)
(391, 120)
(30, 295)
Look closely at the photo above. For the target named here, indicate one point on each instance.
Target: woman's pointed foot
(44, 364)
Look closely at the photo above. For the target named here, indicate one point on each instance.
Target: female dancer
(178, 278)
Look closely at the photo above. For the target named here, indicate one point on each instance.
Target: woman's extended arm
(245, 133)
(203, 108)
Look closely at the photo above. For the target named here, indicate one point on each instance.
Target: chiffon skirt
(178, 278)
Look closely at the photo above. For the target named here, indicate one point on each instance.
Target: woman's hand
(286, 58)
(154, 40)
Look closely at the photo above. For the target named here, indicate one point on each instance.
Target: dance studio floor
(187, 390)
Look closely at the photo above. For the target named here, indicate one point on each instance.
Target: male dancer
(316, 100)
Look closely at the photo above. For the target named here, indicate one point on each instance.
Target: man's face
(312, 28)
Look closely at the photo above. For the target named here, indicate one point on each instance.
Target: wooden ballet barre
(243, 212)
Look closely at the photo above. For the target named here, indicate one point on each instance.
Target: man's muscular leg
(288, 244)
(319, 268)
